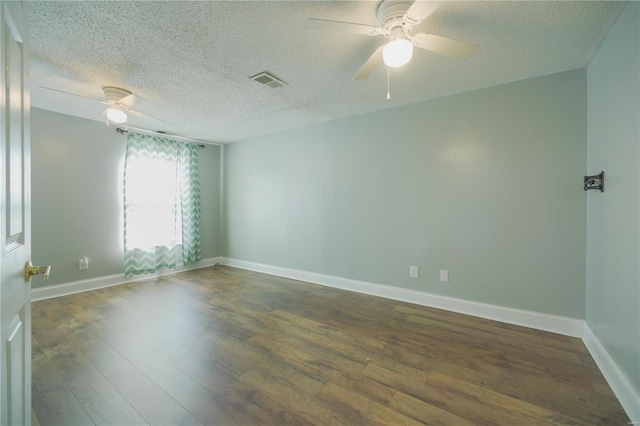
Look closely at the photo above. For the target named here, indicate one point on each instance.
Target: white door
(15, 216)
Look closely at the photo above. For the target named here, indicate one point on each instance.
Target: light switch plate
(444, 275)
(83, 264)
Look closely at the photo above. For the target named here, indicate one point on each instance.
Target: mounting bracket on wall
(594, 182)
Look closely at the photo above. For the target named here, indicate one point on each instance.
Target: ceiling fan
(119, 101)
(397, 18)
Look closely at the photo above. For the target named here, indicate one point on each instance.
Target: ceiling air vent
(268, 80)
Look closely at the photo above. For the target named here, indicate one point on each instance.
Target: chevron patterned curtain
(161, 203)
(190, 201)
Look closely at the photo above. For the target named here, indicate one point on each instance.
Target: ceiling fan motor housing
(391, 15)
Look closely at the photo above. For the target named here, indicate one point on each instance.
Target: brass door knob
(30, 271)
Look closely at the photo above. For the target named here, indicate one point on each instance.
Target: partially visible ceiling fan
(397, 18)
(119, 101)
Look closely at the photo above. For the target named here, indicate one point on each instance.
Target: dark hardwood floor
(233, 347)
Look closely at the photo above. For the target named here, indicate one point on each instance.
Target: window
(162, 204)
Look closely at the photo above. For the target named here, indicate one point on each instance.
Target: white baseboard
(110, 280)
(547, 322)
(621, 385)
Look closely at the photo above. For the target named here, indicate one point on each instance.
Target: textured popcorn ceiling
(191, 61)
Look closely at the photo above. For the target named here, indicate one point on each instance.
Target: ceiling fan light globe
(116, 116)
(397, 53)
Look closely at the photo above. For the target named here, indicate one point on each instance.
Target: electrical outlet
(414, 272)
(444, 275)
(83, 264)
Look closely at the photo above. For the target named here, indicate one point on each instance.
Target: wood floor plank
(165, 411)
(59, 407)
(164, 374)
(124, 343)
(327, 366)
(363, 407)
(335, 368)
(45, 376)
(513, 341)
(451, 400)
(306, 406)
(106, 359)
(204, 405)
(238, 347)
(357, 349)
(424, 412)
(529, 413)
(444, 344)
(217, 380)
(586, 406)
(219, 355)
(128, 417)
(326, 331)
(258, 408)
(318, 360)
(98, 397)
(135, 386)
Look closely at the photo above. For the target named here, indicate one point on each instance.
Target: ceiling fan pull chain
(388, 90)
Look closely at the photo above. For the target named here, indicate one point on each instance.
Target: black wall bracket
(594, 182)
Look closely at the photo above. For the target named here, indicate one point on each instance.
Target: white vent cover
(268, 80)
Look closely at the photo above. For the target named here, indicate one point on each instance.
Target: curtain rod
(197, 142)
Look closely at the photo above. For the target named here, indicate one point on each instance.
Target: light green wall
(613, 225)
(77, 167)
(486, 184)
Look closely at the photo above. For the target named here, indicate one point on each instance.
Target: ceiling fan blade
(420, 10)
(73, 94)
(342, 27)
(104, 112)
(372, 63)
(128, 100)
(142, 114)
(444, 45)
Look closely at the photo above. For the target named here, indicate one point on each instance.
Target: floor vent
(268, 80)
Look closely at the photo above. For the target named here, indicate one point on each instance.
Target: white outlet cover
(414, 272)
(444, 275)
